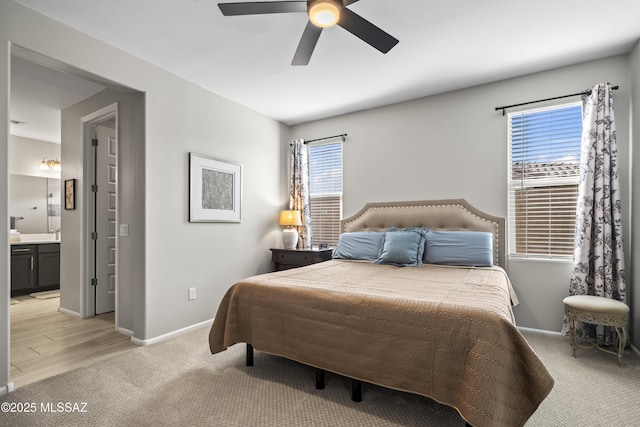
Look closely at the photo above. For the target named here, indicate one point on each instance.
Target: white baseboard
(538, 331)
(70, 312)
(6, 389)
(124, 331)
(168, 335)
(545, 332)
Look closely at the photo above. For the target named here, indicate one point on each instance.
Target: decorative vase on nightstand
(290, 219)
(289, 238)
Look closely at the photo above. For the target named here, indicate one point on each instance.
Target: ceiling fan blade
(307, 44)
(348, 2)
(261, 7)
(366, 31)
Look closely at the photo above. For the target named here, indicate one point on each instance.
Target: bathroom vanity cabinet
(34, 268)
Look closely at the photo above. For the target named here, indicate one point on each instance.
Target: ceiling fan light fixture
(324, 13)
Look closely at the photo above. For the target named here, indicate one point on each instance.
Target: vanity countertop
(35, 242)
(36, 239)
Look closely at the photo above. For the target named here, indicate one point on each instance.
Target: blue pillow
(402, 248)
(467, 248)
(360, 245)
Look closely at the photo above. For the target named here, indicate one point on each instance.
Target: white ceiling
(444, 45)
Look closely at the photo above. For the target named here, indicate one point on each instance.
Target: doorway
(102, 239)
(126, 118)
(82, 300)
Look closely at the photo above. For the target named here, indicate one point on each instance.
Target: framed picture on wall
(215, 190)
(70, 194)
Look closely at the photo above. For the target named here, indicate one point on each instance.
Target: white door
(106, 175)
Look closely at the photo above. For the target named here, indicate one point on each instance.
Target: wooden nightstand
(284, 259)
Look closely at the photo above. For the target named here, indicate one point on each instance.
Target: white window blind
(325, 188)
(544, 168)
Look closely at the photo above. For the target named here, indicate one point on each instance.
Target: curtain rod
(586, 92)
(343, 136)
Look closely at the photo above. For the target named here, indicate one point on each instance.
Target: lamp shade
(290, 217)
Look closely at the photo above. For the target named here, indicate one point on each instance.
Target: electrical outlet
(192, 294)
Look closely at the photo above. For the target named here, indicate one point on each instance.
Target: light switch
(124, 230)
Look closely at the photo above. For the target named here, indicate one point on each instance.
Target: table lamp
(290, 219)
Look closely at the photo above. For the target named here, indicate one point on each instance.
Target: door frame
(88, 294)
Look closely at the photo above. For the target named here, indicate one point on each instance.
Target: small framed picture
(70, 194)
(215, 190)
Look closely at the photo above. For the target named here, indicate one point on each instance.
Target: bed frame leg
(356, 390)
(319, 379)
(249, 355)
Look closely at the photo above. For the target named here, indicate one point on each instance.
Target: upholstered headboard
(451, 214)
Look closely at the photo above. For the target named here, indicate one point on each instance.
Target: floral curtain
(299, 190)
(598, 258)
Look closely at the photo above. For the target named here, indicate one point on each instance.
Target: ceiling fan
(322, 14)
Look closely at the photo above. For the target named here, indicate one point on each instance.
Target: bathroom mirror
(34, 203)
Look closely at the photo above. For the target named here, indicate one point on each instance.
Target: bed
(442, 331)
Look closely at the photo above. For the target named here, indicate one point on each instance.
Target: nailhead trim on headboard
(497, 224)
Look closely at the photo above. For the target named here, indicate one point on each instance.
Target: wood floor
(45, 342)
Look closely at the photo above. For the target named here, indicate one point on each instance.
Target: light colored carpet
(178, 382)
(46, 294)
(14, 301)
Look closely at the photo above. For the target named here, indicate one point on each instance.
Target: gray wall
(131, 260)
(454, 145)
(25, 155)
(5, 290)
(180, 117)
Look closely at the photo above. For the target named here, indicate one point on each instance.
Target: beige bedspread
(443, 332)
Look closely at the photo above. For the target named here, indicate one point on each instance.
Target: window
(325, 189)
(544, 168)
